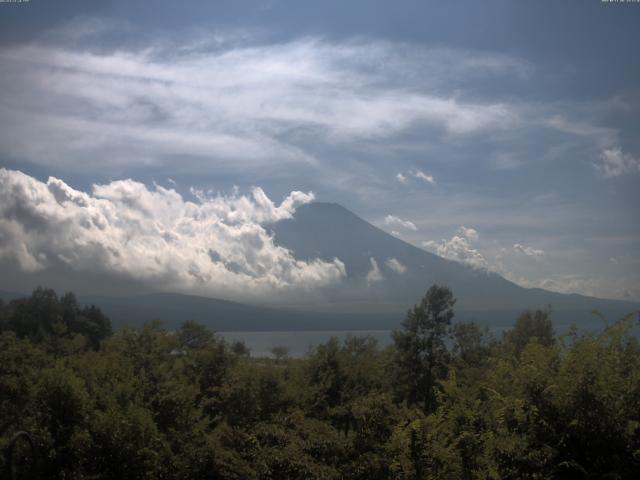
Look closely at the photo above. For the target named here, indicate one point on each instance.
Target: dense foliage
(445, 401)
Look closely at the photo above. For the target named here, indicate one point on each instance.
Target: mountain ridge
(317, 220)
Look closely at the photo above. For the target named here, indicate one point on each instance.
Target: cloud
(423, 176)
(230, 104)
(613, 162)
(374, 275)
(602, 136)
(395, 221)
(213, 246)
(395, 265)
(459, 248)
(226, 105)
(430, 245)
(506, 161)
(595, 286)
(470, 234)
(528, 251)
(403, 178)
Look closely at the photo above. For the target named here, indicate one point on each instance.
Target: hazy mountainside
(222, 315)
(6, 296)
(328, 230)
(174, 309)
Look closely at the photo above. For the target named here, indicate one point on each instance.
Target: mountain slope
(329, 230)
(222, 315)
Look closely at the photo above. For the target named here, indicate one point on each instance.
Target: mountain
(7, 296)
(328, 230)
(224, 316)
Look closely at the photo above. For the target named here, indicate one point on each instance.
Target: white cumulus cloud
(613, 162)
(214, 245)
(459, 248)
(430, 245)
(528, 251)
(395, 265)
(374, 275)
(395, 221)
(401, 178)
(419, 174)
(423, 176)
(470, 234)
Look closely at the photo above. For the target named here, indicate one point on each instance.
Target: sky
(160, 137)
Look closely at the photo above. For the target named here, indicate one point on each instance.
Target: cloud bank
(213, 245)
(231, 104)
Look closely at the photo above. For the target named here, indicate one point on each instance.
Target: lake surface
(299, 342)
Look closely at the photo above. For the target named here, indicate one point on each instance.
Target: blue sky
(500, 134)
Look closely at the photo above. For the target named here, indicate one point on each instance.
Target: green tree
(420, 352)
(194, 336)
(240, 349)
(35, 317)
(62, 409)
(528, 326)
(92, 323)
(43, 317)
(470, 344)
(279, 352)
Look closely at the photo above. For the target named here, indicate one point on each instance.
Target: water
(298, 342)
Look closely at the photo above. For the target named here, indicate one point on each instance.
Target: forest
(445, 400)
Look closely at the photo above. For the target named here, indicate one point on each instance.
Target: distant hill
(222, 315)
(8, 296)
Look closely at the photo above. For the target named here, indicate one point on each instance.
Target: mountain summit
(385, 272)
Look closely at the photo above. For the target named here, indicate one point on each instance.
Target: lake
(299, 342)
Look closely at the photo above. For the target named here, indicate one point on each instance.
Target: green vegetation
(445, 401)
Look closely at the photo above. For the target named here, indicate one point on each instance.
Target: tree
(35, 317)
(194, 336)
(3, 314)
(530, 325)
(420, 352)
(240, 349)
(327, 377)
(279, 352)
(94, 324)
(470, 343)
(43, 317)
